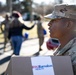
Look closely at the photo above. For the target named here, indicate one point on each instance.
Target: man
(40, 34)
(6, 28)
(62, 26)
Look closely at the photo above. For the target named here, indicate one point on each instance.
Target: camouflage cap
(63, 10)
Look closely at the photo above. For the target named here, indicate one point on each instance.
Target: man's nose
(48, 24)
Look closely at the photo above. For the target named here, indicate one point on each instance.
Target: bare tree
(58, 1)
(43, 9)
(9, 5)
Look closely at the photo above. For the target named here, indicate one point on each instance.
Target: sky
(38, 1)
(47, 1)
(3, 1)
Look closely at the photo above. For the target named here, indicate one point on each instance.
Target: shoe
(36, 54)
(40, 49)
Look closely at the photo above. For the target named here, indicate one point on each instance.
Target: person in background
(5, 30)
(15, 32)
(62, 26)
(40, 34)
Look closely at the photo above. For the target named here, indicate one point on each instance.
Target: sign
(42, 65)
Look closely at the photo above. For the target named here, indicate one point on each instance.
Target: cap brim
(52, 16)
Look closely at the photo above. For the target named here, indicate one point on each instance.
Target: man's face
(56, 28)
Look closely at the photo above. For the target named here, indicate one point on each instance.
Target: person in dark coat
(15, 33)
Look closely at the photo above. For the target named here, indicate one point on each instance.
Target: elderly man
(62, 26)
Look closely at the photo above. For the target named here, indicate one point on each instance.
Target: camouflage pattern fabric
(69, 49)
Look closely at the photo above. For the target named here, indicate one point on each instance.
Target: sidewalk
(29, 47)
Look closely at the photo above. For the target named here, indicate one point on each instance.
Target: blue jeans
(16, 42)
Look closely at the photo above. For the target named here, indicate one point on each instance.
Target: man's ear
(69, 24)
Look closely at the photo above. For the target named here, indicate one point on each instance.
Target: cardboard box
(41, 65)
